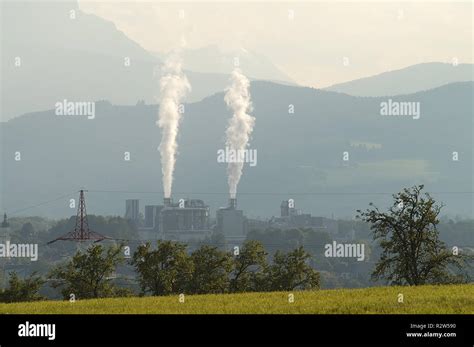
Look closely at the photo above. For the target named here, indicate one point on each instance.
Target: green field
(422, 299)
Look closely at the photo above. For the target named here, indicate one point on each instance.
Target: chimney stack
(167, 202)
(233, 203)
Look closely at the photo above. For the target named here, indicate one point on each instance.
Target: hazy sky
(309, 41)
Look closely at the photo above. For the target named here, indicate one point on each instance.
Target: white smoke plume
(241, 124)
(173, 87)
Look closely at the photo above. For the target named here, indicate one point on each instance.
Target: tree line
(407, 233)
(170, 269)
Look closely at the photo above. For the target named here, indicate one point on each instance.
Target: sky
(315, 43)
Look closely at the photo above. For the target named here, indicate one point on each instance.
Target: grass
(423, 299)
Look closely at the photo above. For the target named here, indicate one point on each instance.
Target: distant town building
(287, 208)
(5, 223)
(290, 217)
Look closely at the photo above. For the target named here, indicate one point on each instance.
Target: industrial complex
(190, 219)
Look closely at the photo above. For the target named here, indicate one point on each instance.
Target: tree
(88, 274)
(212, 268)
(248, 267)
(22, 290)
(290, 271)
(216, 239)
(163, 271)
(411, 250)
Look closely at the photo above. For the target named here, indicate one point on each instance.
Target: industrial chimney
(167, 202)
(233, 203)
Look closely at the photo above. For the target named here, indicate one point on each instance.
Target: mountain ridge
(300, 152)
(424, 76)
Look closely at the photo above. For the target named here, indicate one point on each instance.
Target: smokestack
(167, 202)
(233, 203)
(173, 87)
(237, 98)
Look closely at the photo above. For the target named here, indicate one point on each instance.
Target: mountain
(409, 80)
(65, 53)
(79, 59)
(300, 155)
(213, 59)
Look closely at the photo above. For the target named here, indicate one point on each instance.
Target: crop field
(421, 299)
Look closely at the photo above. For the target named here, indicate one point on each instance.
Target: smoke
(173, 87)
(241, 124)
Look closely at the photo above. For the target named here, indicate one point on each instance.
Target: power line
(269, 193)
(15, 212)
(40, 204)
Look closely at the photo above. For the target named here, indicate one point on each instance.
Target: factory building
(149, 229)
(231, 222)
(152, 216)
(184, 220)
(132, 210)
